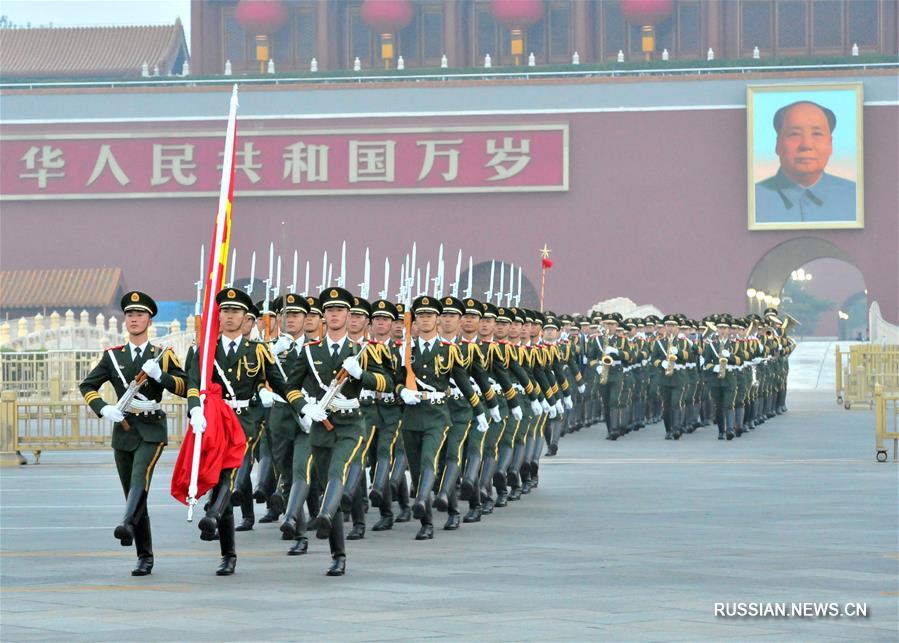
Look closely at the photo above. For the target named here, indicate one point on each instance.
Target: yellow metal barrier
(863, 368)
(886, 422)
(42, 425)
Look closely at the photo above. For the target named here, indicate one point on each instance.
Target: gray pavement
(633, 540)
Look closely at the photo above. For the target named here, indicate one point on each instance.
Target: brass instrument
(606, 365)
(722, 368)
(672, 358)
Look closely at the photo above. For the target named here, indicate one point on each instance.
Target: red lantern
(260, 16)
(645, 14)
(517, 14)
(386, 17)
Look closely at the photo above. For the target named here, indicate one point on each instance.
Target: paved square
(633, 540)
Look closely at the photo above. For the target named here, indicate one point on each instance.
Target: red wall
(656, 212)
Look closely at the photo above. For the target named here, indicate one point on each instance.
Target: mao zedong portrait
(802, 191)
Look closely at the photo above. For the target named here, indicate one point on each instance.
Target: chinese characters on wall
(287, 162)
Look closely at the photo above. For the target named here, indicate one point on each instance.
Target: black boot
(242, 481)
(485, 484)
(384, 524)
(447, 485)
(402, 499)
(452, 522)
(738, 421)
(338, 567)
(354, 477)
(329, 513)
(226, 543)
(270, 516)
(278, 500)
(293, 514)
(357, 532)
(266, 484)
(247, 512)
(300, 546)
(470, 477)
(134, 507)
(501, 475)
(143, 540)
(220, 501)
(423, 497)
(729, 424)
(473, 515)
(335, 540)
(426, 532)
(380, 484)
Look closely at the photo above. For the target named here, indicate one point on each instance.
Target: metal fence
(886, 422)
(863, 368)
(42, 409)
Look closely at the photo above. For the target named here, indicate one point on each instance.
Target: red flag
(223, 447)
(222, 444)
(547, 263)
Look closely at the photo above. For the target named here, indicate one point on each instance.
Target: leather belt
(238, 404)
(343, 406)
(139, 407)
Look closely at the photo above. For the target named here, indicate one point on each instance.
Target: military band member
(426, 419)
(722, 359)
(670, 355)
(139, 431)
(242, 368)
(337, 430)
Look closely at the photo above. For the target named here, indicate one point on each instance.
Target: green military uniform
(139, 437)
(335, 448)
(427, 422)
(670, 356)
(720, 357)
(241, 367)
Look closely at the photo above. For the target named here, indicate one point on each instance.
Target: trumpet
(672, 359)
(606, 365)
(722, 368)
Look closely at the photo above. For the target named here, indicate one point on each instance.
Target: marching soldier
(670, 355)
(335, 369)
(387, 415)
(426, 419)
(722, 359)
(139, 430)
(242, 368)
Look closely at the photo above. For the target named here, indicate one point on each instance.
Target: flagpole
(544, 264)
(217, 263)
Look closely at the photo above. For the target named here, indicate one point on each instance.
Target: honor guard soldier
(242, 368)
(334, 370)
(426, 418)
(670, 355)
(292, 451)
(387, 415)
(139, 430)
(722, 359)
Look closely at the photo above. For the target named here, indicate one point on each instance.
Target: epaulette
(115, 348)
(313, 342)
(443, 342)
(374, 341)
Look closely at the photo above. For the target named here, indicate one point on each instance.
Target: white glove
(552, 412)
(516, 413)
(351, 366)
(559, 408)
(536, 407)
(152, 369)
(483, 424)
(582, 388)
(409, 396)
(545, 406)
(717, 368)
(725, 353)
(665, 363)
(494, 414)
(315, 412)
(112, 413)
(284, 343)
(599, 370)
(611, 350)
(568, 403)
(305, 424)
(266, 397)
(197, 421)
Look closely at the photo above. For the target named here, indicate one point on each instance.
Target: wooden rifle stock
(407, 353)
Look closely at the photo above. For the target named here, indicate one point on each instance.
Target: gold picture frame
(832, 161)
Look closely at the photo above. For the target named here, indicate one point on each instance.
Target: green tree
(803, 305)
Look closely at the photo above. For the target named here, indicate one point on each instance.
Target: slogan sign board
(408, 160)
